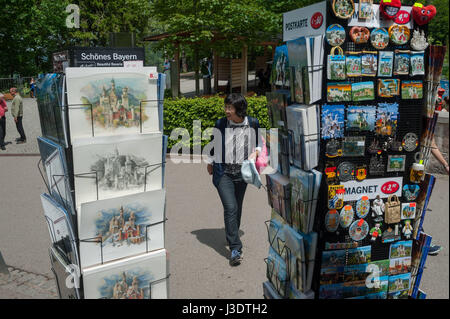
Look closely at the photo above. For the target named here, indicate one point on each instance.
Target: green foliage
(180, 113)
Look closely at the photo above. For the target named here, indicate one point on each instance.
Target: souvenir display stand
(102, 161)
(375, 109)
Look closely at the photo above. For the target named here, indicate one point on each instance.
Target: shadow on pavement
(214, 238)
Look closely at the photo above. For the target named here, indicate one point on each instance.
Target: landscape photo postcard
(363, 91)
(277, 239)
(140, 277)
(387, 117)
(361, 118)
(112, 101)
(333, 258)
(332, 121)
(120, 227)
(108, 167)
(334, 291)
(331, 275)
(400, 266)
(399, 282)
(359, 255)
(400, 249)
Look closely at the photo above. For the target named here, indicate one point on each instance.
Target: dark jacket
(221, 124)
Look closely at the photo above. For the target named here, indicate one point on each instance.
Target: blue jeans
(232, 196)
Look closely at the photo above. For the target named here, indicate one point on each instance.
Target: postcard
(333, 258)
(54, 163)
(363, 91)
(388, 87)
(356, 273)
(401, 62)
(331, 275)
(297, 258)
(277, 272)
(381, 267)
(353, 64)
(334, 291)
(386, 122)
(359, 255)
(400, 249)
(121, 227)
(111, 101)
(298, 63)
(399, 282)
(377, 285)
(280, 67)
(276, 104)
(278, 190)
(60, 227)
(339, 92)
(361, 118)
(109, 167)
(332, 121)
(404, 294)
(417, 63)
(412, 90)
(385, 63)
(400, 266)
(369, 63)
(62, 270)
(140, 277)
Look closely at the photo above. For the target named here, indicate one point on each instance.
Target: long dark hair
(239, 102)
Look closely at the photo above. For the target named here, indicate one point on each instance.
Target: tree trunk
(197, 80)
(183, 61)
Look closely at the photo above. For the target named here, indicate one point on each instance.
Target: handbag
(336, 64)
(392, 210)
(262, 159)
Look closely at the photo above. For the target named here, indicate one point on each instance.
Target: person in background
(3, 110)
(17, 113)
(32, 87)
(241, 141)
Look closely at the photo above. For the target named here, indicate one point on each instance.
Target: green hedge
(181, 112)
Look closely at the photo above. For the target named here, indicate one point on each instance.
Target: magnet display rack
(409, 120)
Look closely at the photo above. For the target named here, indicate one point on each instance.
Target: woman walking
(241, 140)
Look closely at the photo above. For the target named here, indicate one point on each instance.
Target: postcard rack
(98, 240)
(55, 115)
